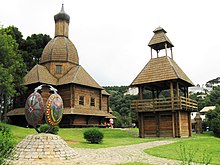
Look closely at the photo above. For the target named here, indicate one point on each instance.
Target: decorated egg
(34, 109)
(54, 109)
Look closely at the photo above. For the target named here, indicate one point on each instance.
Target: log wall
(87, 93)
(105, 103)
(164, 124)
(184, 124)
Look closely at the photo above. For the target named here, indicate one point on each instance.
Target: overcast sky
(112, 36)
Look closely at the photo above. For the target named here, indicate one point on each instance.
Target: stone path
(121, 154)
(48, 149)
(110, 156)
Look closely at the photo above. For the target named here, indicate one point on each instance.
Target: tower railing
(164, 104)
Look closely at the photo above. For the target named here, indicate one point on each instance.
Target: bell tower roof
(159, 40)
(161, 69)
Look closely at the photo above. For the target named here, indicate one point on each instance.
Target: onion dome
(60, 49)
(62, 16)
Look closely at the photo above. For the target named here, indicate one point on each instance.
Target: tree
(15, 33)
(120, 104)
(32, 48)
(13, 69)
(213, 120)
(215, 96)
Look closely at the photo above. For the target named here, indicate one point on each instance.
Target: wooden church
(166, 111)
(85, 101)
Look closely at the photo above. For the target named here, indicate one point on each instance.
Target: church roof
(104, 92)
(78, 75)
(161, 69)
(60, 49)
(39, 74)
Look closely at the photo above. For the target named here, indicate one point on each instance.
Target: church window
(58, 68)
(81, 100)
(92, 101)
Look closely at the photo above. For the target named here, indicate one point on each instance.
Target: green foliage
(12, 70)
(93, 135)
(32, 48)
(15, 33)
(215, 123)
(6, 145)
(213, 81)
(45, 128)
(120, 104)
(213, 120)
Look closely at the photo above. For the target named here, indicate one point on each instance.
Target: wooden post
(158, 124)
(141, 125)
(108, 101)
(153, 94)
(151, 52)
(189, 124)
(157, 53)
(74, 95)
(177, 89)
(100, 106)
(171, 52)
(166, 48)
(172, 107)
(140, 92)
(180, 124)
(172, 96)
(71, 95)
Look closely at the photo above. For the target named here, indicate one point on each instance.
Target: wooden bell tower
(166, 111)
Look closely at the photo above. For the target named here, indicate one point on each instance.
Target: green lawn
(199, 148)
(20, 133)
(112, 137)
(74, 137)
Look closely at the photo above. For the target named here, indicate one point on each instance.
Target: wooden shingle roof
(159, 38)
(39, 74)
(78, 75)
(161, 69)
(104, 92)
(60, 49)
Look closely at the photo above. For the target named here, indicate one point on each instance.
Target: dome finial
(62, 15)
(62, 8)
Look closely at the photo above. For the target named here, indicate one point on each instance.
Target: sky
(112, 36)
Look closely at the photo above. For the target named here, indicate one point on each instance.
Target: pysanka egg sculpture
(35, 109)
(54, 110)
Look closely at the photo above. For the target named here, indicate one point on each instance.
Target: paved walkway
(121, 154)
(109, 156)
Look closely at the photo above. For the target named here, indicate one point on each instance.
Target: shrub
(6, 143)
(93, 135)
(45, 128)
(216, 126)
